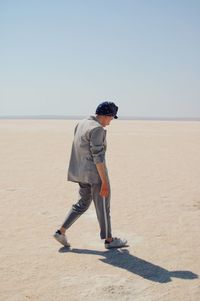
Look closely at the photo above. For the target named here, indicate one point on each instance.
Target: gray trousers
(89, 192)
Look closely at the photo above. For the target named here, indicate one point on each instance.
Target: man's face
(107, 120)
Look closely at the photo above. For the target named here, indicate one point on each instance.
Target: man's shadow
(121, 258)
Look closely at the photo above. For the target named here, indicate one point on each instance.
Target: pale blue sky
(64, 57)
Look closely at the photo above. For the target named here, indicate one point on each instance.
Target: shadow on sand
(121, 258)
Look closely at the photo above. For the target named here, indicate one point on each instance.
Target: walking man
(87, 167)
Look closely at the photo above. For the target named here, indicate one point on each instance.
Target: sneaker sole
(116, 247)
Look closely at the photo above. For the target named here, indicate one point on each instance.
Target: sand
(154, 169)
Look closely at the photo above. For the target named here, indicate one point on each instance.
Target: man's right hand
(104, 192)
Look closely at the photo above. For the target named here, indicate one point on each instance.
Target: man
(87, 167)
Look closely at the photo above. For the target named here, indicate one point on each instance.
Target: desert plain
(154, 169)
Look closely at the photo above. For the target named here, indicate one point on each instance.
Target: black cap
(107, 108)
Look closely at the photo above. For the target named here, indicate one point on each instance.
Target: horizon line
(78, 117)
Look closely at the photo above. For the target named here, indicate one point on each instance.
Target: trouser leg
(80, 207)
(102, 206)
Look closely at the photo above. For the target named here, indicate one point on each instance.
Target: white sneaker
(116, 243)
(61, 238)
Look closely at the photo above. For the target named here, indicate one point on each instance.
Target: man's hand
(104, 192)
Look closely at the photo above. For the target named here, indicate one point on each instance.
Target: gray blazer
(88, 148)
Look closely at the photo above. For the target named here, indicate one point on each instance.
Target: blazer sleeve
(97, 144)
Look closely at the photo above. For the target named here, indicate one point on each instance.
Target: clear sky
(65, 57)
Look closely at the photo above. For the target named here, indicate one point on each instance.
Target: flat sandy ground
(154, 170)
